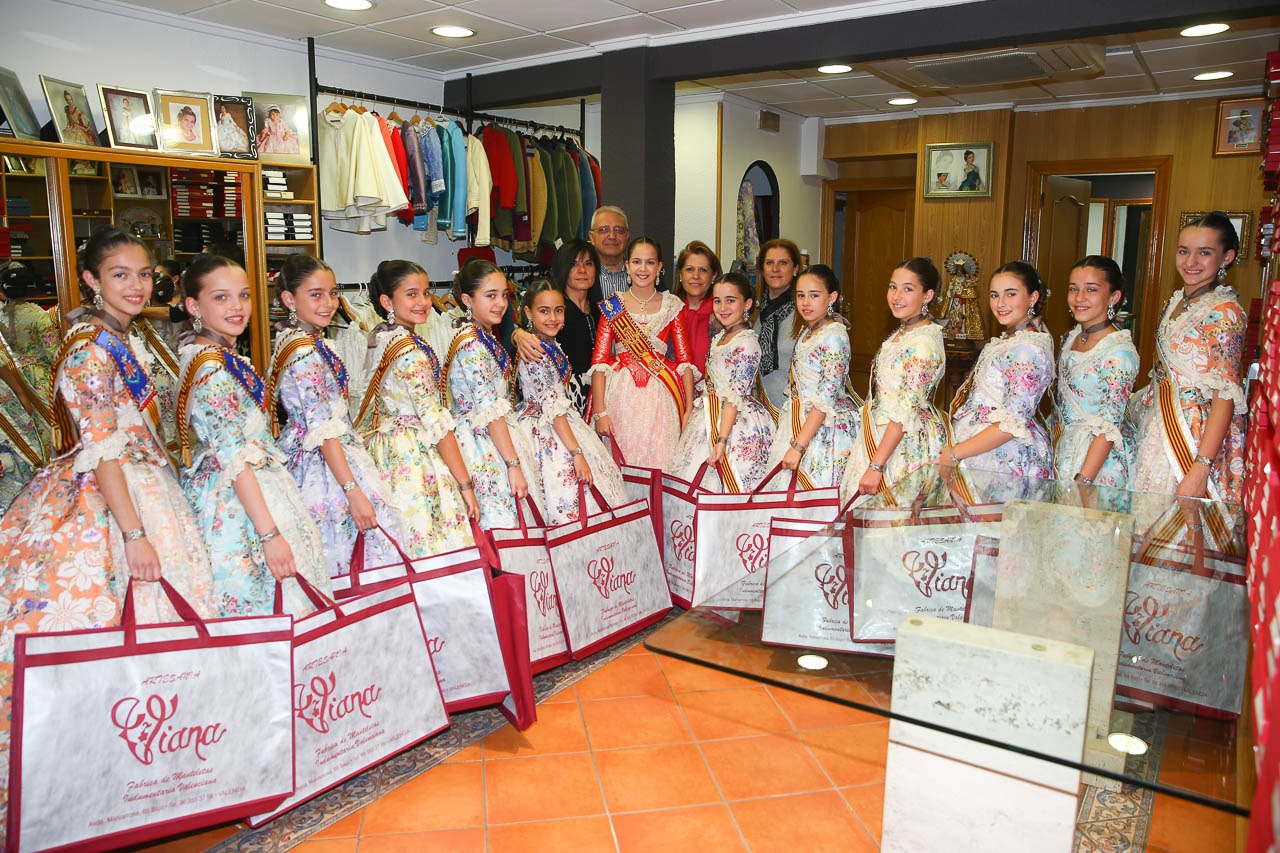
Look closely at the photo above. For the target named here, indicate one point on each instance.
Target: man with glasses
(609, 234)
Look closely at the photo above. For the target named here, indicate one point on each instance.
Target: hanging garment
(444, 205)
(537, 201)
(597, 178)
(549, 235)
(458, 192)
(519, 216)
(479, 189)
(572, 192)
(748, 234)
(586, 189)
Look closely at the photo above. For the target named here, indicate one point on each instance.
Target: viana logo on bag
(146, 727)
(753, 551)
(1143, 615)
(682, 539)
(607, 579)
(926, 571)
(831, 580)
(544, 591)
(318, 704)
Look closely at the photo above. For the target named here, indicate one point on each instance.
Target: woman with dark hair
(901, 430)
(697, 268)
(1190, 419)
(478, 373)
(1096, 370)
(818, 424)
(993, 415)
(254, 520)
(777, 266)
(631, 378)
(337, 478)
(575, 270)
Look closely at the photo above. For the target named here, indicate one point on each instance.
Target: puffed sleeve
(743, 363)
(684, 352)
(1222, 336)
(414, 371)
(474, 378)
(1025, 372)
(1115, 377)
(229, 423)
(832, 353)
(87, 381)
(311, 394)
(602, 355)
(921, 362)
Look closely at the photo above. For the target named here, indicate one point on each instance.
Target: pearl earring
(1222, 273)
(97, 299)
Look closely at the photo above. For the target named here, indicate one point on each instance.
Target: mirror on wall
(757, 213)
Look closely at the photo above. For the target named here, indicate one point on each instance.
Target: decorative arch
(759, 205)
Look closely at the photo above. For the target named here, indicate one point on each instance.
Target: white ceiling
(1144, 65)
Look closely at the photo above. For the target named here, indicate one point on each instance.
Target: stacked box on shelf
(17, 205)
(207, 194)
(275, 184)
(289, 225)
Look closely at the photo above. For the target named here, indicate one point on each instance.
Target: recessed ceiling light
(1214, 75)
(450, 31)
(835, 69)
(349, 5)
(1200, 30)
(902, 102)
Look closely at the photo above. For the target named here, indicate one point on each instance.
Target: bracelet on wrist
(134, 535)
(724, 439)
(466, 486)
(264, 538)
(349, 485)
(1204, 460)
(512, 463)
(1083, 480)
(795, 445)
(876, 466)
(598, 415)
(575, 451)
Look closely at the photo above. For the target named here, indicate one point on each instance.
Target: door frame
(1162, 166)
(847, 185)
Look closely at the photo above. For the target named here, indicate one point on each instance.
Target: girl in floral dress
(1095, 378)
(901, 430)
(108, 509)
(730, 430)
(407, 429)
(565, 451)
(993, 415)
(1190, 418)
(477, 375)
(30, 331)
(327, 459)
(818, 424)
(254, 521)
(648, 395)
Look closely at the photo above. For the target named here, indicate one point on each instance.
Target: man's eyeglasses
(604, 230)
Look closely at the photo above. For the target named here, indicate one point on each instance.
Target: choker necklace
(110, 322)
(1008, 333)
(632, 292)
(218, 339)
(1089, 330)
(1201, 291)
(741, 324)
(912, 322)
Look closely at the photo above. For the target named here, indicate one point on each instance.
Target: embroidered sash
(239, 368)
(393, 351)
(284, 358)
(715, 407)
(65, 431)
(871, 445)
(640, 352)
(156, 344)
(796, 424)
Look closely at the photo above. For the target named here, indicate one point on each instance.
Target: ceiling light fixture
(1214, 75)
(349, 5)
(812, 661)
(452, 31)
(835, 69)
(902, 102)
(1127, 743)
(1201, 30)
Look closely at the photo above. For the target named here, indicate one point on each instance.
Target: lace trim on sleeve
(334, 427)
(482, 417)
(908, 417)
(1009, 422)
(1098, 425)
(605, 367)
(732, 397)
(111, 447)
(688, 367)
(251, 455)
(824, 406)
(432, 432)
(1210, 384)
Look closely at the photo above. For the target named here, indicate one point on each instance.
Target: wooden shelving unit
(303, 183)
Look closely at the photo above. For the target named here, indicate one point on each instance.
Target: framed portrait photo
(69, 107)
(1241, 219)
(130, 122)
(151, 183)
(185, 123)
(284, 127)
(1239, 126)
(22, 164)
(17, 109)
(124, 181)
(959, 170)
(236, 126)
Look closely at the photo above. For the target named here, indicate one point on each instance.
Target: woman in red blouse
(696, 269)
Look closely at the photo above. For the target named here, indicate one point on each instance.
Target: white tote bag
(732, 536)
(679, 501)
(806, 596)
(523, 551)
(364, 688)
(641, 484)
(135, 733)
(608, 574)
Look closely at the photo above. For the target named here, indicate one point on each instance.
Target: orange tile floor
(650, 753)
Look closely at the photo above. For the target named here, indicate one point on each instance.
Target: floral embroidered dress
(224, 431)
(549, 469)
(819, 370)
(32, 336)
(1093, 391)
(20, 451)
(1199, 356)
(1004, 389)
(732, 371)
(402, 417)
(62, 557)
(310, 382)
(643, 392)
(477, 373)
(905, 373)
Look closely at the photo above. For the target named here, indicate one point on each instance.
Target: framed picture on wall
(236, 127)
(185, 122)
(1239, 126)
(130, 123)
(1241, 219)
(959, 170)
(284, 127)
(151, 182)
(17, 109)
(124, 181)
(69, 107)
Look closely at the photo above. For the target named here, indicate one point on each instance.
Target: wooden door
(877, 237)
(1064, 227)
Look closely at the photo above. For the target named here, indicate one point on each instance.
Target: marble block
(1062, 573)
(945, 792)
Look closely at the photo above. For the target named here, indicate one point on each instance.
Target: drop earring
(468, 315)
(293, 318)
(1222, 273)
(97, 299)
(391, 316)
(1111, 312)
(197, 324)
